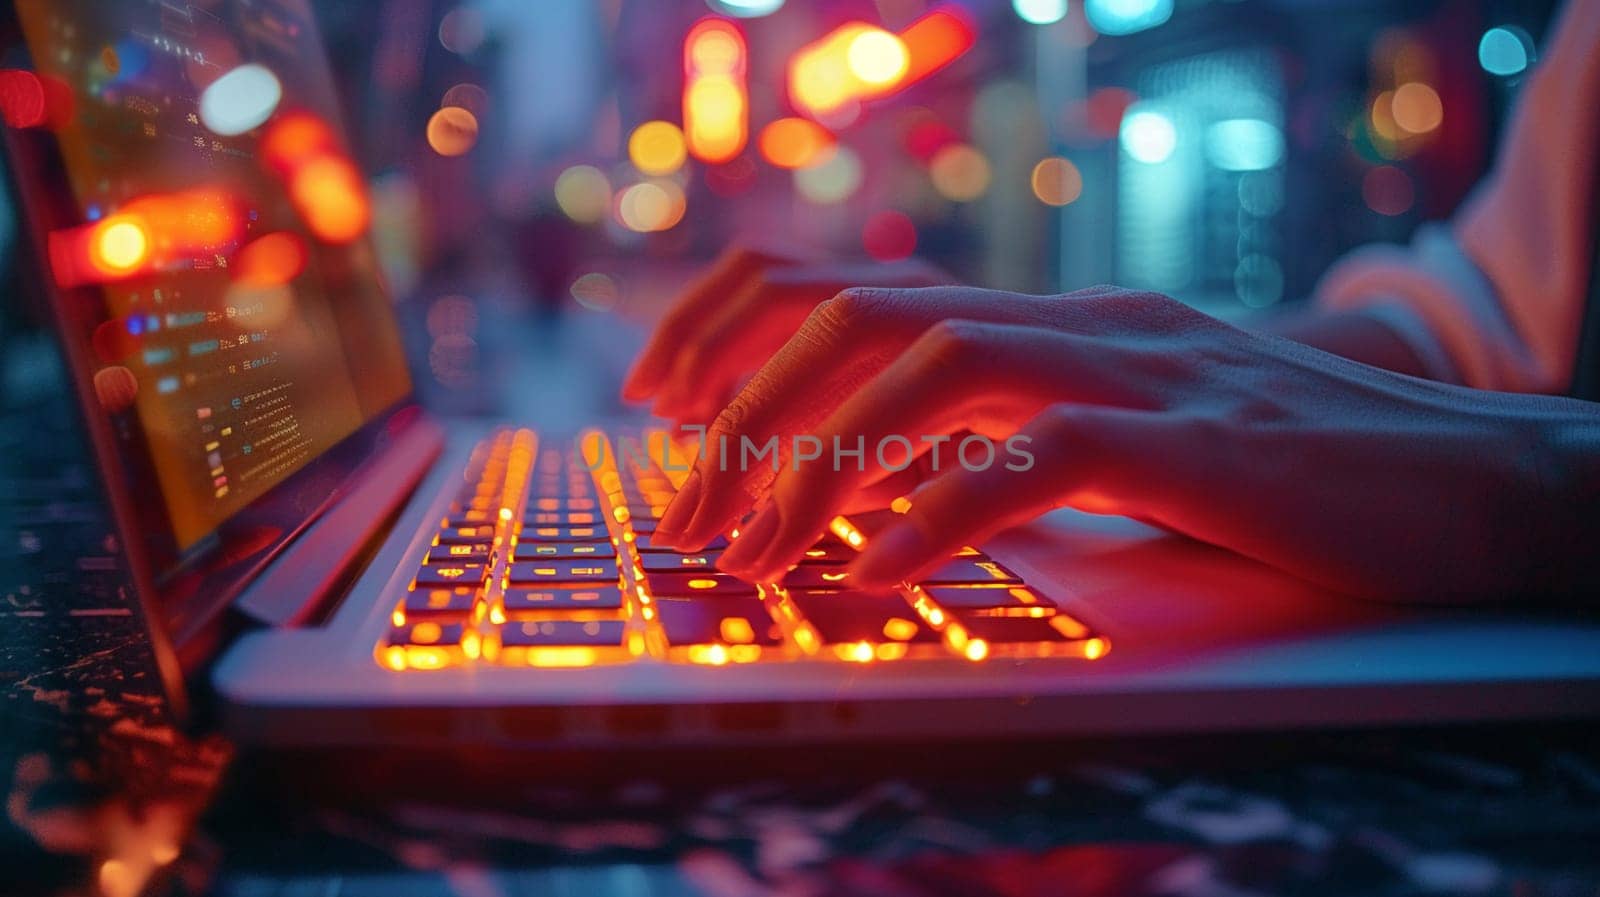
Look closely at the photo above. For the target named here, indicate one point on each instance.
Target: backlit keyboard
(544, 559)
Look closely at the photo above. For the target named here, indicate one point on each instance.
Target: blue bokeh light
(1148, 136)
(1040, 12)
(1505, 51)
(1244, 144)
(1117, 17)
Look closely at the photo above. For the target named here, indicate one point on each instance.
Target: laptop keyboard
(545, 559)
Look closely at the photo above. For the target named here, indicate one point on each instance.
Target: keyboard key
(469, 518)
(862, 626)
(429, 645)
(817, 577)
(541, 551)
(454, 603)
(1004, 630)
(969, 571)
(466, 535)
(660, 562)
(564, 534)
(562, 518)
(828, 551)
(427, 633)
(708, 621)
(470, 552)
(643, 544)
(689, 585)
(562, 633)
(451, 575)
(537, 600)
(564, 504)
(642, 525)
(549, 573)
(1013, 601)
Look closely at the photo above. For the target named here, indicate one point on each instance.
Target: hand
(737, 315)
(1362, 480)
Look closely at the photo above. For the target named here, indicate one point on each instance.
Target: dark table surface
(105, 796)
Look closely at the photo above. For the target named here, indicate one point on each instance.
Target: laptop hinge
(314, 568)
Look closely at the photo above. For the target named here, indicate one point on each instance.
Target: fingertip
(888, 557)
(679, 511)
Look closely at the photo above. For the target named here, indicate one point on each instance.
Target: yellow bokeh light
(715, 51)
(1416, 108)
(651, 206)
(583, 193)
(878, 58)
(121, 245)
(1057, 182)
(657, 148)
(453, 131)
(716, 113)
(960, 173)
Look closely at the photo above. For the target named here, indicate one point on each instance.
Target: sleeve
(1495, 299)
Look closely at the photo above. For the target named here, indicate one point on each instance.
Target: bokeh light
(596, 292)
(1117, 17)
(584, 194)
(22, 99)
(1505, 51)
(657, 148)
(1388, 191)
(468, 96)
(877, 57)
(794, 142)
(1148, 137)
(1416, 108)
(332, 197)
(116, 388)
(833, 179)
(716, 107)
(121, 245)
(295, 139)
(1057, 182)
(651, 206)
(889, 236)
(241, 100)
(1040, 12)
(960, 173)
(270, 260)
(453, 131)
(462, 31)
(1244, 144)
(746, 9)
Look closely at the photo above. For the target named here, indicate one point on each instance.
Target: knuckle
(857, 305)
(954, 343)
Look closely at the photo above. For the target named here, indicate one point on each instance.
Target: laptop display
(205, 229)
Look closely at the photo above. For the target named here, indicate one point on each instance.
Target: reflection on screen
(224, 224)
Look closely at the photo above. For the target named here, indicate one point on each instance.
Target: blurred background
(543, 168)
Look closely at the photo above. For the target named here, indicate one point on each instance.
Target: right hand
(731, 320)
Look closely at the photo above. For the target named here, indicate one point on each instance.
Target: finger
(843, 344)
(1106, 460)
(726, 276)
(745, 331)
(955, 372)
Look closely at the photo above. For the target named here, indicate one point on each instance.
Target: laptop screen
(210, 236)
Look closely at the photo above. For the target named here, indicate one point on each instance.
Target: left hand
(1365, 481)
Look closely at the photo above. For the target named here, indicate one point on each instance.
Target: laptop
(331, 566)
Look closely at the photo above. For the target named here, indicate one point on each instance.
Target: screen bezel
(182, 594)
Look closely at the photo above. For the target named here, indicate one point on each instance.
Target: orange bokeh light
(794, 142)
(295, 139)
(857, 61)
(271, 260)
(332, 198)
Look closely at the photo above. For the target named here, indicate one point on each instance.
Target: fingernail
(752, 540)
(681, 509)
(888, 556)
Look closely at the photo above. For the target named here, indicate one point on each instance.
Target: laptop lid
(200, 233)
